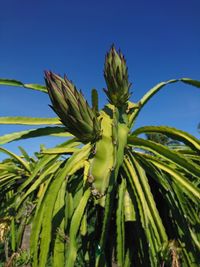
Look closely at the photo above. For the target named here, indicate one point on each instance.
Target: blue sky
(160, 40)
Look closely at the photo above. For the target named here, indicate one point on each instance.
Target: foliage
(114, 197)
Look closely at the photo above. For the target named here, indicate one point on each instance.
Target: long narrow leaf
(29, 121)
(19, 159)
(37, 224)
(166, 154)
(75, 224)
(150, 199)
(148, 96)
(58, 225)
(45, 162)
(156, 89)
(41, 179)
(191, 82)
(185, 184)
(152, 238)
(10, 82)
(120, 224)
(60, 150)
(173, 133)
(44, 238)
(33, 133)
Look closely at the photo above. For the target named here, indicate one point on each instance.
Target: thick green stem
(119, 140)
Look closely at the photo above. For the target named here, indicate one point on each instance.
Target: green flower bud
(72, 108)
(116, 76)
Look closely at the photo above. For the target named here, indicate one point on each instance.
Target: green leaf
(146, 220)
(191, 82)
(151, 169)
(37, 224)
(95, 105)
(129, 211)
(60, 150)
(25, 154)
(150, 199)
(10, 82)
(43, 164)
(33, 133)
(74, 227)
(165, 153)
(173, 133)
(41, 179)
(156, 89)
(147, 97)
(173, 194)
(8, 181)
(29, 121)
(40, 165)
(41, 233)
(19, 159)
(13, 234)
(191, 190)
(59, 225)
(120, 246)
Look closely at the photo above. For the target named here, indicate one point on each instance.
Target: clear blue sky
(160, 39)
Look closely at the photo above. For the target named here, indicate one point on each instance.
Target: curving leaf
(29, 121)
(165, 153)
(74, 227)
(60, 150)
(156, 89)
(19, 159)
(184, 184)
(190, 82)
(11, 82)
(152, 171)
(120, 220)
(46, 227)
(52, 168)
(57, 131)
(41, 233)
(148, 96)
(149, 198)
(42, 222)
(43, 164)
(146, 219)
(179, 205)
(171, 132)
(59, 224)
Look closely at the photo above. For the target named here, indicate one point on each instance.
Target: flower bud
(116, 76)
(72, 108)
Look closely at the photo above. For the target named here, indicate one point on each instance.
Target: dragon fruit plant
(116, 199)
